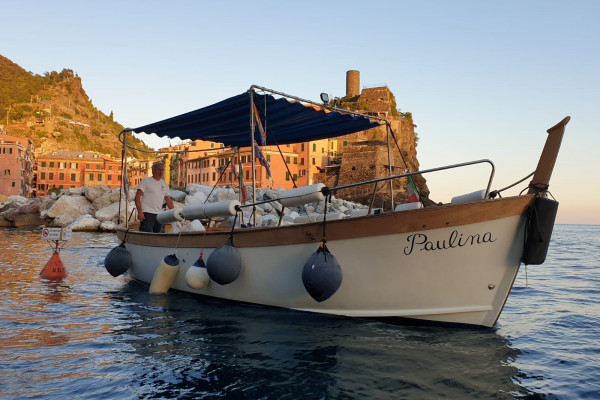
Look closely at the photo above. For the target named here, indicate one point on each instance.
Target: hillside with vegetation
(55, 113)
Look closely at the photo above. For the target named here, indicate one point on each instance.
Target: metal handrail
(425, 171)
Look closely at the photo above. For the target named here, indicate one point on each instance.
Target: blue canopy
(285, 122)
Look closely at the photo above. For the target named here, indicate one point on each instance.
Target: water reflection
(186, 345)
(95, 336)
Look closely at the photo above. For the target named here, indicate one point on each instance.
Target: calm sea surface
(95, 336)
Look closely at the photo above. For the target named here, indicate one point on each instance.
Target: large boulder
(27, 220)
(93, 192)
(109, 197)
(32, 208)
(111, 212)
(85, 223)
(4, 223)
(16, 199)
(108, 226)
(197, 198)
(177, 195)
(73, 206)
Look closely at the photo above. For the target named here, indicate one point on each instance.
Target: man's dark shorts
(149, 224)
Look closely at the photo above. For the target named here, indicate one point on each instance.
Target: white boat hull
(462, 273)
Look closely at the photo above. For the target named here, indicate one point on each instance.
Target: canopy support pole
(389, 148)
(251, 91)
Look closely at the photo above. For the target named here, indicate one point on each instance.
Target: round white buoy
(196, 276)
(164, 275)
(118, 260)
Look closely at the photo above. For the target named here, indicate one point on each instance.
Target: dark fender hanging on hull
(538, 230)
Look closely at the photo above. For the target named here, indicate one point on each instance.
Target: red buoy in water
(54, 268)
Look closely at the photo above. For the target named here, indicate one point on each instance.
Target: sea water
(95, 336)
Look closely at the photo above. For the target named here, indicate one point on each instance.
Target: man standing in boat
(151, 194)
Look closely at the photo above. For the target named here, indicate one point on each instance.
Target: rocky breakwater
(96, 208)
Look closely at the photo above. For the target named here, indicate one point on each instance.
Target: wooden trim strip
(372, 225)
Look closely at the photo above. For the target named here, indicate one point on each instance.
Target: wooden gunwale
(435, 217)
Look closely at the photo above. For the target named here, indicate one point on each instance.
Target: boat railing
(422, 172)
(327, 191)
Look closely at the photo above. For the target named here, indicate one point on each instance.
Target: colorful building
(16, 166)
(71, 169)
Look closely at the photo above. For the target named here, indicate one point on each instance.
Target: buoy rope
(233, 228)
(327, 199)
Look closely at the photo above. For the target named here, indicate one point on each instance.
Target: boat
(433, 263)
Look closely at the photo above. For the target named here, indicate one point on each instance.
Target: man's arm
(169, 202)
(138, 204)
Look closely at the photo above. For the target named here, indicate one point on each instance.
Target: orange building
(222, 166)
(16, 166)
(71, 169)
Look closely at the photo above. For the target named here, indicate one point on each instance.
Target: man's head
(158, 170)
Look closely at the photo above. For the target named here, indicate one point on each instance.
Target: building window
(51, 164)
(91, 177)
(314, 161)
(62, 165)
(98, 166)
(268, 157)
(322, 149)
(72, 177)
(295, 177)
(295, 160)
(13, 184)
(301, 160)
(287, 176)
(110, 167)
(109, 178)
(345, 143)
(87, 166)
(51, 176)
(44, 164)
(302, 147)
(118, 177)
(43, 175)
(287, 159)
(314, 147)
(61, 176)
(247, 174)
(214, 175)
(99, 177)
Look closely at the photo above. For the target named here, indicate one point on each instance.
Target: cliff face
(364, 155)
(55, 113)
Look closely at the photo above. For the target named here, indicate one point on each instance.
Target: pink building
(16, 166)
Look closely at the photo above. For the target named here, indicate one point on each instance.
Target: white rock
(78, 191)
(177, 195)
(109, 197)
(85, 223)
(63, 220)
(192, 189)
(197, 198)
(73, 206)
(108, 226)
(93, 192)
(15, 199)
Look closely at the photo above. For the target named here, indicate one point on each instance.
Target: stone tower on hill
(364, 155)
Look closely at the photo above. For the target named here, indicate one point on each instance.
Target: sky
(483, 80)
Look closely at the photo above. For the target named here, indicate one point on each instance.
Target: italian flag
(413, 192)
